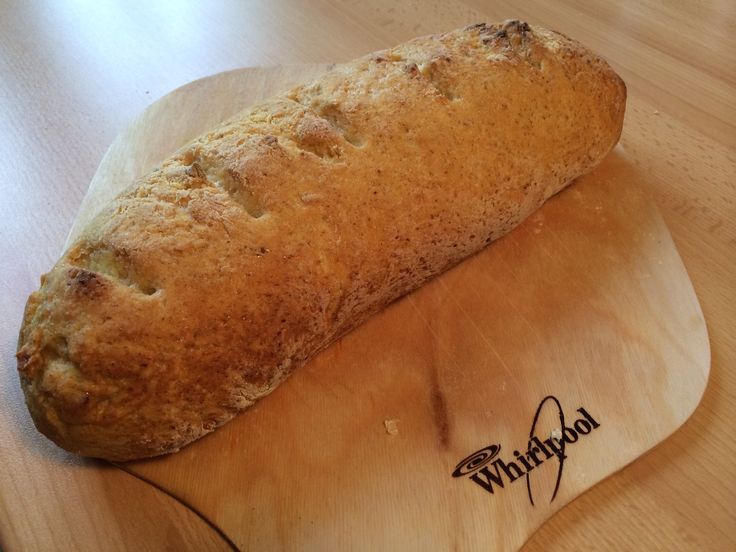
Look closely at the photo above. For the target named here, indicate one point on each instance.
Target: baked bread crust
(201, 287)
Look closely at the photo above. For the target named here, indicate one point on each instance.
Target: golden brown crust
(206, 283)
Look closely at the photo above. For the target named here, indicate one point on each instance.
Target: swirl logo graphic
(492, 473)
(476, 460)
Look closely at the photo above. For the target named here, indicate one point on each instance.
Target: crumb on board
(392, 426)
(555, 434)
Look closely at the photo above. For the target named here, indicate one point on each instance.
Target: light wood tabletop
(73, 74)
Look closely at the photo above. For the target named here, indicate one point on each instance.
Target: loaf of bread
(209, 280)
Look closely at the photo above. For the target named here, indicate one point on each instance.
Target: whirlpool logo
(487, 469)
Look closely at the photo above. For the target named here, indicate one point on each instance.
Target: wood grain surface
(74, 74)
(587, 301)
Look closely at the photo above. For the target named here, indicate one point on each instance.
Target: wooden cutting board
(466, 414)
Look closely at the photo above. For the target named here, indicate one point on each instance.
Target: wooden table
(71, 76)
